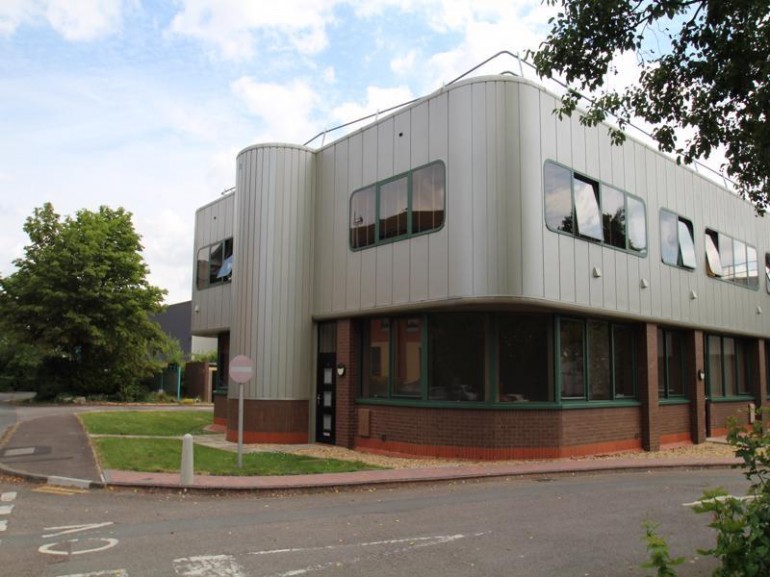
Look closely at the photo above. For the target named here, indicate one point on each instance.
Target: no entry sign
(241, 369)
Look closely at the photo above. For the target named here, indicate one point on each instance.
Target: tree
(709, 73)
(76, 314)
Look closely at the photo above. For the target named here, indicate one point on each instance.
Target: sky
(144, 104)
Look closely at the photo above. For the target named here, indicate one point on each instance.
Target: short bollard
(186, 474)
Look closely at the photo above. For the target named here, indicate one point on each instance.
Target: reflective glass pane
(362, 217)
(599, 367)
(623, 363)
(457, 342)
(637, 224)
(752, 267)
(394, 206)
(614, 216)
(742, 364)
(662, 363)
(571, 359)
(726, 257)
(202, 269)
(739, 259)
(215, 262)
(715, 366)
(428, 184)
(376, 358)
(767, 274)
(675, 357)
(686, 244)
(729, 363)
(713, 261)
(589, 219)
(522, 356)
(408, 345)
(669, 244)
(558, 197)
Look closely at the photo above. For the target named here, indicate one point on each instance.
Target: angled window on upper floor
(582, 207)
(399, 207)
(214, 264)
(731, 260)
(677, 246)
(767, 276)
(362, 217)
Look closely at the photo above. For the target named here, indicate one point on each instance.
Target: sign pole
(240, 425)
(241, 371)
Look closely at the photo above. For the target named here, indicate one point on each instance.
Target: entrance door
(324, 403)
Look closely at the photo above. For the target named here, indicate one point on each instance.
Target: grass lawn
(149, 423)
(165, 455)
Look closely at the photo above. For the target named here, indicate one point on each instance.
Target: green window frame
(403, 206)
(677, 241)
(729, 362)
(595, 360)
(672, 364)
(214, 264)
(731, 260)
(585, 208)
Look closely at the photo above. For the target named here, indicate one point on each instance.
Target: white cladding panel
(211, 305)
(273, 284)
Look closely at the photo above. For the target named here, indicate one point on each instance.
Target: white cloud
(230, 26)
(403, 64)
(377, 99)
(285, 109)
(74, 20)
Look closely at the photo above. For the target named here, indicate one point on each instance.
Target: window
(214, 264)
(456, 351)
(671, 364)
(767, 271)
(376, 359)
(580, 206)
(596, 360)
(408, 358)
(394, 209)
(731, 260)
(523, 358)
(729, 366)
(677, 246)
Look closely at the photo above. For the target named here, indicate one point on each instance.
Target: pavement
(55, 449)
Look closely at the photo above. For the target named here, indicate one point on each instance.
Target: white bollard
(186, 474)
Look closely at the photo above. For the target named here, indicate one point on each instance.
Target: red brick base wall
(675, 424)
(220, 409)
(508, 434)
(266, 421)
(720, 412)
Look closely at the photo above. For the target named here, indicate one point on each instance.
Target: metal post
(186, 473)
(240, 425)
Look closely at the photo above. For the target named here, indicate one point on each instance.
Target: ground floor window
(729, 365)
(671, 363)
(597, 360)
(497, 357)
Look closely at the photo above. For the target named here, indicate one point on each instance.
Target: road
(572, 525)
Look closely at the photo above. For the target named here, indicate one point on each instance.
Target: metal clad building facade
(452, 211)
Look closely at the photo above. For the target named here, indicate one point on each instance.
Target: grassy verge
(164, 456)
(148, 423)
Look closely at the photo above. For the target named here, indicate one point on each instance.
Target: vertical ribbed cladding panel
(273, 287)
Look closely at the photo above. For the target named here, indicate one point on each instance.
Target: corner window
(731, 260)
(596, 360)
(457, 359)
(729, 364)
(671, 363)
(214, 264)
(767, 275)
(677, 247)
(397, 208)
(523, 358)
(580, 206)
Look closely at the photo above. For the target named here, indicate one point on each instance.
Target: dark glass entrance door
(325, 405)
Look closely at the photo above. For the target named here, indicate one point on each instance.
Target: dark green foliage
(705, 69)
(660, 558)
(76, 314)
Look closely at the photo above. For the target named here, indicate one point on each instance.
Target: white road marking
(7, 497)
(207, 566)
(19, 452)
(6, 509)
(68, 549)
(67, 529)
(410, 544)
(110, 573)
(3, 525)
